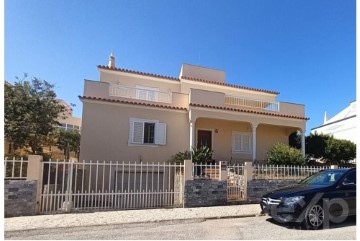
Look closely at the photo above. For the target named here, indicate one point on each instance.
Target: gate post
(248, 171)
(223, 171)
(187, 176)
(35, 172)
(67, 205)
(187, 170)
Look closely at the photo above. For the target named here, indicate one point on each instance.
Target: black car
(326, 196)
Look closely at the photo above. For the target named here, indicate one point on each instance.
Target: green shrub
(282, 154)
(179, 157)
(199, 155)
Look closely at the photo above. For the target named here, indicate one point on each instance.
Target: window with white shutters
(160, 133)
(138, 132)
(241, 142)
(147, 132)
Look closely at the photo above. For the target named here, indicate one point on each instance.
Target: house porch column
(192, 120)
(254, 142)
(192, 134)
(303, 143)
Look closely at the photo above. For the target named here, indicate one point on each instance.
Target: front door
(204, 138)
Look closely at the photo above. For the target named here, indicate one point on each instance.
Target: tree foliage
(330, 149)
(315, 145)
(31, 113)
(69, 141)
(295, 140)
(282, 154)
(339, 151)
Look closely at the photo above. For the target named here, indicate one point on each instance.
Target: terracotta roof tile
(185, 77)
(250, 111)
(138, 72)
(131, 102)
(229, 85)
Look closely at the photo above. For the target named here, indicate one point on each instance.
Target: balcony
(106, 90)
(219, 99)
(251, 103)
(139, 93)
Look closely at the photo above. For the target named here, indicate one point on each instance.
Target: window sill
(143, 145)
(242, 152)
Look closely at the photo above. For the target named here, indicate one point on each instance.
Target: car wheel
(314, 217)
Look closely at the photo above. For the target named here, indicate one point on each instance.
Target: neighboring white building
(341, 126)
(70, 122)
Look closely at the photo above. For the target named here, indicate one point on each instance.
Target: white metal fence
(15, 169)
(205, 171)
(71, 186)
(284, 172)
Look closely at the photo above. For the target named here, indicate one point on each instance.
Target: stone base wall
(204, 193)
(257, 188)
(20, 198)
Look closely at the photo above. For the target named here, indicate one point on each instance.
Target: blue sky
(304, 49)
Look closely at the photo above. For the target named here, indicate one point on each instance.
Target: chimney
(111, 64)
(325, 117)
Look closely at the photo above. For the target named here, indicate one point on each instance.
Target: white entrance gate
(236, 183)
(75, 186)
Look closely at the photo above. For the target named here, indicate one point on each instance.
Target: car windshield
(325, 178)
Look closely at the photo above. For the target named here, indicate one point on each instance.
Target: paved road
(260, 227)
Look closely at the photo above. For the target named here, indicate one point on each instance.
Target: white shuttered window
(147, 132)
(241, 142)
(160, 133)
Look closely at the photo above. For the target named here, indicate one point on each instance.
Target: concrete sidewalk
(129, 216)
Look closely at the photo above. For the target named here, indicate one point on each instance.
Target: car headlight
(292, 200)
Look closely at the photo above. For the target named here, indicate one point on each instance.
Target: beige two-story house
(133, 116)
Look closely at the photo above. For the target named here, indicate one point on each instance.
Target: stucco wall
(105, 132)
(186, 85)
(291, 109)
(269, 135)
(131, 80)
(202, 73)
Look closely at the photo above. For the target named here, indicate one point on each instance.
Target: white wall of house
(342, 125)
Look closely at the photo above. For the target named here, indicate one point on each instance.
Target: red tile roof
(138, 72)
(194, 105)
(229, 85)
(250, 111)
(131, 102)
(188, 78)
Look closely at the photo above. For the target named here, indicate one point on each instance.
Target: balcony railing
(239, 101)
(139, 94)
